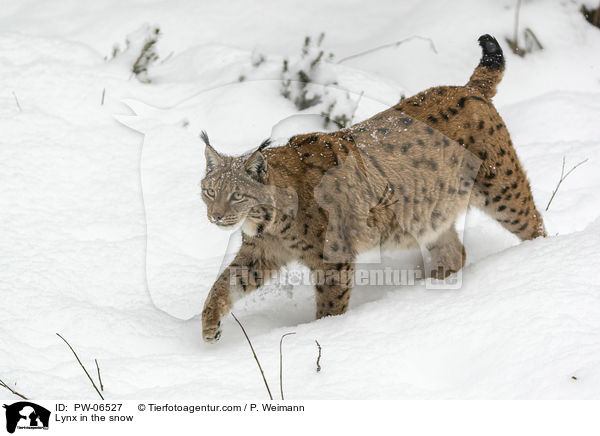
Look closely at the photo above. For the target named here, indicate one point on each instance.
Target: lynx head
(235, 187)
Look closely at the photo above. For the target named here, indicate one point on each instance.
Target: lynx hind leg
(447, 255)
(507, 196)
(333, 284)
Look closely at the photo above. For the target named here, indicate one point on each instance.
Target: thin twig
(533, 38)
(563, 176)
(17, 101)
(167, 58)
(12, 390)
(99, 377)
(281, 362)
(356, 106)
(81, 364)
(255, 357)
(318, 357)
(516, 30)
(103, 92)
(391, 44)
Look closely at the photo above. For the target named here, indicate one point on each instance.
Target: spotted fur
(398, 179)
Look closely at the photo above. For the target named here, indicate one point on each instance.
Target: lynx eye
(236, 196)
(210, 193)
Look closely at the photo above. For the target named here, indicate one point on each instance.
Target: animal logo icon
(25, 414)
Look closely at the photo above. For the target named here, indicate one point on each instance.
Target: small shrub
(308, 81)
(532, 43)
(297, 76)
(256, 60)
(592, 15)
(140, 50)
(340, 112)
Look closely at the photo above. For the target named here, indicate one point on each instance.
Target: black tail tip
(492, 56)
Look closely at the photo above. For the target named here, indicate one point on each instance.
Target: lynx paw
(211, 334)
(441, 273)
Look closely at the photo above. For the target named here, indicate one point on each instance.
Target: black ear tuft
(256, 166)
(204, 137)
(213, 159)
(264, 144)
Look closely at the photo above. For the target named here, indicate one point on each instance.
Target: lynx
(398, 179)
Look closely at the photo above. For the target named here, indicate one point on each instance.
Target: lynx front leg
(333, 285)
(217, 304)
(246, 273)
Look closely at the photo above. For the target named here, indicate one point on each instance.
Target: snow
(104, 235)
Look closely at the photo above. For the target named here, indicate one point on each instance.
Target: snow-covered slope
(74, 223)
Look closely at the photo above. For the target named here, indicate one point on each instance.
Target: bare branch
(4, 385)
(532, 42)
(17, 101)
(281, 362)
(81, 364)
(516, 30)
(255, 357)
(318, 357)
(99, 377)
(389, 45)
(563, 176)
(356, 107)
(169, 56)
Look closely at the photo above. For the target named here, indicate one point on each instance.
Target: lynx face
(232, 188)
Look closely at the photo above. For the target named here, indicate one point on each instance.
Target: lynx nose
(216, 218)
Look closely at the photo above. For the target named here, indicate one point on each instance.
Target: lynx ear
(213, 159)
(256, 165)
